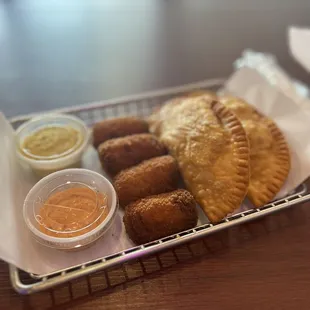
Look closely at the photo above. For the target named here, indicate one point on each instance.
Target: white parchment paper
(19, 248)
(299, 44)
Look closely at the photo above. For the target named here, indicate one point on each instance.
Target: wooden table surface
(260, 265)
(59, 53)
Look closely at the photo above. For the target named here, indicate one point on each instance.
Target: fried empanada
(211, 148)
(269, 152)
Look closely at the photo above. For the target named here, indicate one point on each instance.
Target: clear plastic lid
(70, 208)
(50, 136)
(52, 142)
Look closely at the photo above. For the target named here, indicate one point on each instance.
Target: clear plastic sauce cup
(70, 209)
(69, 158)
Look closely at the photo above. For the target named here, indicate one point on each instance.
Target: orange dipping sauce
(72, 212)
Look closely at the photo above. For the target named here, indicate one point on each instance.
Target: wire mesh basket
(141, 105)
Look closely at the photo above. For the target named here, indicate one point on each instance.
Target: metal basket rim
(65, 275)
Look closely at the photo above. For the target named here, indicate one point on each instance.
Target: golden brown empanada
(269, 153)
(211, 148)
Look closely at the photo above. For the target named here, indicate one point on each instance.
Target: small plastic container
(71, 158)
(60, 181)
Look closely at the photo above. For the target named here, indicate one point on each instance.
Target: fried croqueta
(159, 216)
(151, 177)
(117, 127)
(121, 153)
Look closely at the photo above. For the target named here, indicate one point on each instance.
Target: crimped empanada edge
(281, 170)
(239, 137)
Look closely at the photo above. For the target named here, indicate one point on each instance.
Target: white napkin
(270, 70)
(299, 43)
(13, 189)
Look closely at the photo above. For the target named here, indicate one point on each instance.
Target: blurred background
(59, 53)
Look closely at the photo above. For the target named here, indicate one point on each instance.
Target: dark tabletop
(61, 53)
(263, 265)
